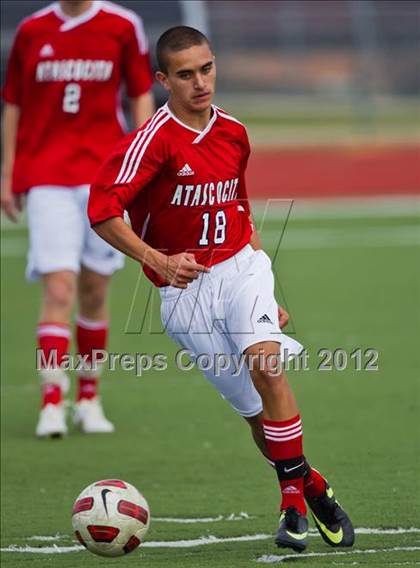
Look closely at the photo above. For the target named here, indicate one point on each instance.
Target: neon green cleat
(332, 522)
(293, 530)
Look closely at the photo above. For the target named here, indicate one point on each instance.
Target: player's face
(191, 77)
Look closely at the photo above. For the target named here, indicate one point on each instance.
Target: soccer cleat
(52, 421)
(293, 530)
(332, 522)
(90, 418)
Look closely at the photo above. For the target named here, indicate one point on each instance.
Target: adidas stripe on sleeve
(135, 162)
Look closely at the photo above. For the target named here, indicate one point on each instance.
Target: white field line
(296, 239)
(273, 559)
(232, 517)
(341, 208)
(354, 563)
(244, 516)
(204, 540)
(47, 538)
(54, 549)
(323, 238)
(321, 208)
(399, 530)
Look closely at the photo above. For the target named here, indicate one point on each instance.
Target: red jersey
(65, 74)
(183, 189)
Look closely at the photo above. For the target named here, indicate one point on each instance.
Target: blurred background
(318, 75)
(345, 51)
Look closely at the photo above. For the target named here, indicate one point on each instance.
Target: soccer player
(62, 115)
(181, 178)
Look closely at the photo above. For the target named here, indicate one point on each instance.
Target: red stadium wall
(334, 172)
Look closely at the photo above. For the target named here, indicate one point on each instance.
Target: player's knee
(92, 292)
(92, 298)
(59, 291)
(268, 381)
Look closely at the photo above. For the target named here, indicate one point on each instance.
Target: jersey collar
(201, 133)
(69, 23)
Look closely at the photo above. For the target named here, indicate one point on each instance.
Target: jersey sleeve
(12, 88)
(242, 191)
(136, 67)
(123, 176)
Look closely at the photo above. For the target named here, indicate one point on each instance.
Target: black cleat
(293, 530)
(332, 522)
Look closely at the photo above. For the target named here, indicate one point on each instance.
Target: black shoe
(293, 530)
(331, 520)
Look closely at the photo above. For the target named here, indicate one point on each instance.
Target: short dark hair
(177, 39)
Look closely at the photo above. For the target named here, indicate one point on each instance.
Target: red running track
(334, 172)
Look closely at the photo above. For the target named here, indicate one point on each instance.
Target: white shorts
(225, 312)
(60, 235)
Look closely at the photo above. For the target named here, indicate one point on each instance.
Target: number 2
(71, 99)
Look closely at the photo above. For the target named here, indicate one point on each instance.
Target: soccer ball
(110, 517)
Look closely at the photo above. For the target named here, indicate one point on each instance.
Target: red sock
(284, 442)
(315, 484)
(90, 335)
(53, 342)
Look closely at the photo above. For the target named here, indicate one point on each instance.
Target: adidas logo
(185, 171)
(291, 489)
(264, 319)
(46, 50)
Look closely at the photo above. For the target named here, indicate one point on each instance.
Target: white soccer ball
(110, 517)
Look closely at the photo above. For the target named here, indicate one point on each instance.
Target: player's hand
(10, 203)
(181, 269)
(283, 317)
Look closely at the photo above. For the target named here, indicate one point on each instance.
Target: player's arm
(111, 194)
(12, 96)
(177, 270)
(10, 203)
(142, 108)
(137, 73)
(255, 240)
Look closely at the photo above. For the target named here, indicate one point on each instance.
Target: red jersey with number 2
(65, 75)
(183, 189)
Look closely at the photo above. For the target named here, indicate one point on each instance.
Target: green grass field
(350, 279)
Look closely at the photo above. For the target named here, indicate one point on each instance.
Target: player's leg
(314, 483)
(190, 320)
(333, 523)
(257, 432)
(284, 438)
(98, 262)
(254, 312)
(91, 335)
(53, 332)
(55, 241)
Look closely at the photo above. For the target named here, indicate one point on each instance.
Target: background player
(62, 115)
(185, 169)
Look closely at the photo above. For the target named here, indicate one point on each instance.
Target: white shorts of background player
(60, 235)
(219, 313)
